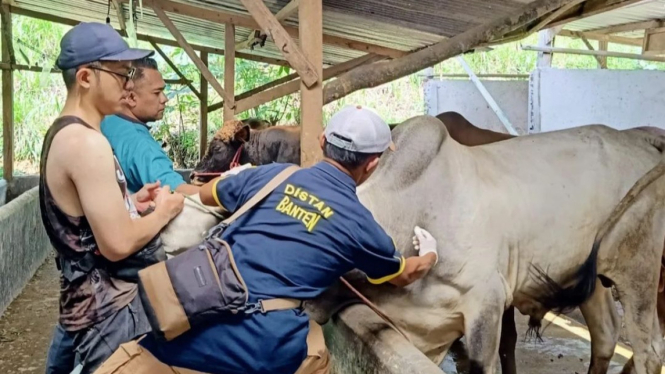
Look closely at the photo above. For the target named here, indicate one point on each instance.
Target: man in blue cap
(91, 219)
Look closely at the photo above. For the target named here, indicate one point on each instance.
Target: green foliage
(38, 97)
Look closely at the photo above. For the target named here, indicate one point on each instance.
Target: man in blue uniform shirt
(140, 156)
(294, 244)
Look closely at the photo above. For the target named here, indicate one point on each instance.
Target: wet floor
(26, 328)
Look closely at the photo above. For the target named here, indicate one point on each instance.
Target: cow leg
(604, 325)
(628, 368)
(508, 342)
(637, 295)
(482, 325)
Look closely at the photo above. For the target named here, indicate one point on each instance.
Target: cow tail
(582, 284)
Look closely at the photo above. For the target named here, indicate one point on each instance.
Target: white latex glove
(236, 170)
(424, 243)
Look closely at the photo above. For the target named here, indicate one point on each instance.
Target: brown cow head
(221, 150)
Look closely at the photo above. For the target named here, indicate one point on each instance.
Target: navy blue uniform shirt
(306, 234)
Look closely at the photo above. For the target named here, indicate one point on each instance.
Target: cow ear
(242, 134)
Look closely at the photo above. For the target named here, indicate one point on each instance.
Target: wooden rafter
(372, 76)
(176, 70)
(628, 27)
(591, 8)
(289, 49)
(256, 90)
(556, 14)
(120, 14)
(283, 14)
(602, 37)
(143, 37)
(217, 16)
(293, 86)
(190, 51)
(590, 47)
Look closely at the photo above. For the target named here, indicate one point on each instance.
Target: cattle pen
(335, 47)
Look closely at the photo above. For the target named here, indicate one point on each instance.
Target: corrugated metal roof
(399, 24)
(642, 11)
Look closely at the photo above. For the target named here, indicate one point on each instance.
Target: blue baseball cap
(93, 41)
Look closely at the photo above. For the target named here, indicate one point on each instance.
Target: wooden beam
(628, 27)
(203, 125)
(654, 42)
(591, 8)
(310, 18)
(603, 59)
(190, 51)
(372, 76)
(229, 71)
(148, 38)
(283, 14)
(603, 38)
(289, 49)
(256, 90)
(554, 15)
(217, 16)
(591, 48)
(294, 86)
(120, 14)
(594, 53)
(7, 95)
(176, 70)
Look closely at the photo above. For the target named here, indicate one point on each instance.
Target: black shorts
(85, 350)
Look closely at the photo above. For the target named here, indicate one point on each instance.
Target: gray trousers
(82, 352)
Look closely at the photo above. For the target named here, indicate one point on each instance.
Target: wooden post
(546, 39)
(590, 47)
(229, 71)
(203, 126)
(311, 98)
(602, 46)
(7, 95)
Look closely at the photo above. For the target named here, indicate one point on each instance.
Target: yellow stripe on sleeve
(402, 265)
(214, 193)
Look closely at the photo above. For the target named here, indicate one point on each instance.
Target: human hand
(145, 196)
(424, 243)
(169, 204)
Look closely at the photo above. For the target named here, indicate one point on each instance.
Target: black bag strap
(263, 192)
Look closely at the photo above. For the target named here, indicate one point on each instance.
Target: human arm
(417, 267)
(188, 189)
(226, 190)
(90, 166)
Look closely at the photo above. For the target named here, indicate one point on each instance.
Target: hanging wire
(108, 14)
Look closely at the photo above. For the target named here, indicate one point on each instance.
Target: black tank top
(88, 293)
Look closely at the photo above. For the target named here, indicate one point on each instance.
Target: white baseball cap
(359, 129)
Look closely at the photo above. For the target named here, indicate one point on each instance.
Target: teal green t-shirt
(140, 156)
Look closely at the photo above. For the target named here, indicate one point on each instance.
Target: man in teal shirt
(139, 154)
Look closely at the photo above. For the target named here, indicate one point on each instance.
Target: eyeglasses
(129, 76)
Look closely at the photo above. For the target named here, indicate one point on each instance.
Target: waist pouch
(203, 283)
(197, 286)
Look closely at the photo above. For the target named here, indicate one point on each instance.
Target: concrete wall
(23, 244)
(361, 343)
(463, 97)
(21, 184)
(621, 99)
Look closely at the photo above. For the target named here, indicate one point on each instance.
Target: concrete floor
(26, 328)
